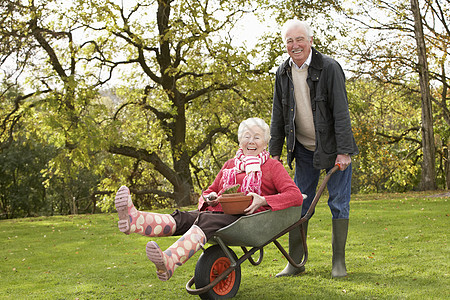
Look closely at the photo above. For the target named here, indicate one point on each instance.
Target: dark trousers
(209, 222)
(307, 179)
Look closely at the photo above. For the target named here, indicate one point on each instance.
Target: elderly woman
(257, 174)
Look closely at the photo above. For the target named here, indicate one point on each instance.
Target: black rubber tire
(214, 257)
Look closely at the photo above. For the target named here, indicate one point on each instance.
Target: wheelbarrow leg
(296, 251)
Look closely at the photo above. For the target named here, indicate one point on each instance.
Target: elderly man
(310, 111)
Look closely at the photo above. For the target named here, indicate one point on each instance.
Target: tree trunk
(74, 206)
(181, 161)
(447, 167)
(428, 180)
(183, 192)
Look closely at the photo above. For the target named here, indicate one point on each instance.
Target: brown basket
(234, 204)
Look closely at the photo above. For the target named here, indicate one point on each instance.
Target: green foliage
(232, 189)
(48, 157)
(22, 191)
(387, 136)
(391, 253)
(32, 185)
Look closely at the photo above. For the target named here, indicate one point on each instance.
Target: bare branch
(397, 138)
(150, 157)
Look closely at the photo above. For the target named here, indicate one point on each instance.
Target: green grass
(397, 249)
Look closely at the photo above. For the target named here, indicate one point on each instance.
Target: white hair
(249, 123)
(294, 23)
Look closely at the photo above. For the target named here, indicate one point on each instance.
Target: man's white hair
(294, 23)
(249, 123)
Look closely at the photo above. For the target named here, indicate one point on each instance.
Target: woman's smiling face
(252, 141)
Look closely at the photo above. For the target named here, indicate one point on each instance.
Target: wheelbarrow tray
(255, 230)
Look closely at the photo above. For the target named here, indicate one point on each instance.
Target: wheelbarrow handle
(320, 191)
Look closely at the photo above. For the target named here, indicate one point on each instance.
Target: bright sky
(249, 29)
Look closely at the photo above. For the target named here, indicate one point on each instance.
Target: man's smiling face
(298, 45)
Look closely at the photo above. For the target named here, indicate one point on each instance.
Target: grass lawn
(397, 249)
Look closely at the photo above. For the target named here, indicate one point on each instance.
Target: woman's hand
(258, 201)
(212, 199)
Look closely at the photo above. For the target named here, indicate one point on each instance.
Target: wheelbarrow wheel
(210, 265)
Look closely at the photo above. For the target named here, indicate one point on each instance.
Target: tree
(196, 83)
(386, 50)
(59, 106)
(385, 125)
(22, 191)
(182, 86)
(428, 172)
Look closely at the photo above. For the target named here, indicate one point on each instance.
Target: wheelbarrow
(218, 269)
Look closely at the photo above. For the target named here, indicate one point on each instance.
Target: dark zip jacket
(329, 103)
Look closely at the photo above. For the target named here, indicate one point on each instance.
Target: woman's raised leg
(145, 223)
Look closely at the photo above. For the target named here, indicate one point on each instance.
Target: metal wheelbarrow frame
(218, 273)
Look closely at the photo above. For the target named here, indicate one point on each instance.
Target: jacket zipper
(289, 75)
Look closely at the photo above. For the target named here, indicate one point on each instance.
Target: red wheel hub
(226, 285)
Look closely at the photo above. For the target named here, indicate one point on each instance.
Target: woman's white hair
(294, 23)
(249, 123)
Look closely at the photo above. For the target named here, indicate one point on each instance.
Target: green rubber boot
(339, 239)
(295, 251)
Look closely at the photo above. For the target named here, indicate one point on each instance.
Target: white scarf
(251, 165)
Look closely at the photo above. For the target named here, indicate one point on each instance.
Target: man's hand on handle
(343, 160)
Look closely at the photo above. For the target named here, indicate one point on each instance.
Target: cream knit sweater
(304, 123)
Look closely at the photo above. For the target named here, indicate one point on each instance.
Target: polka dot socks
(145, 223)
(166, 262)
